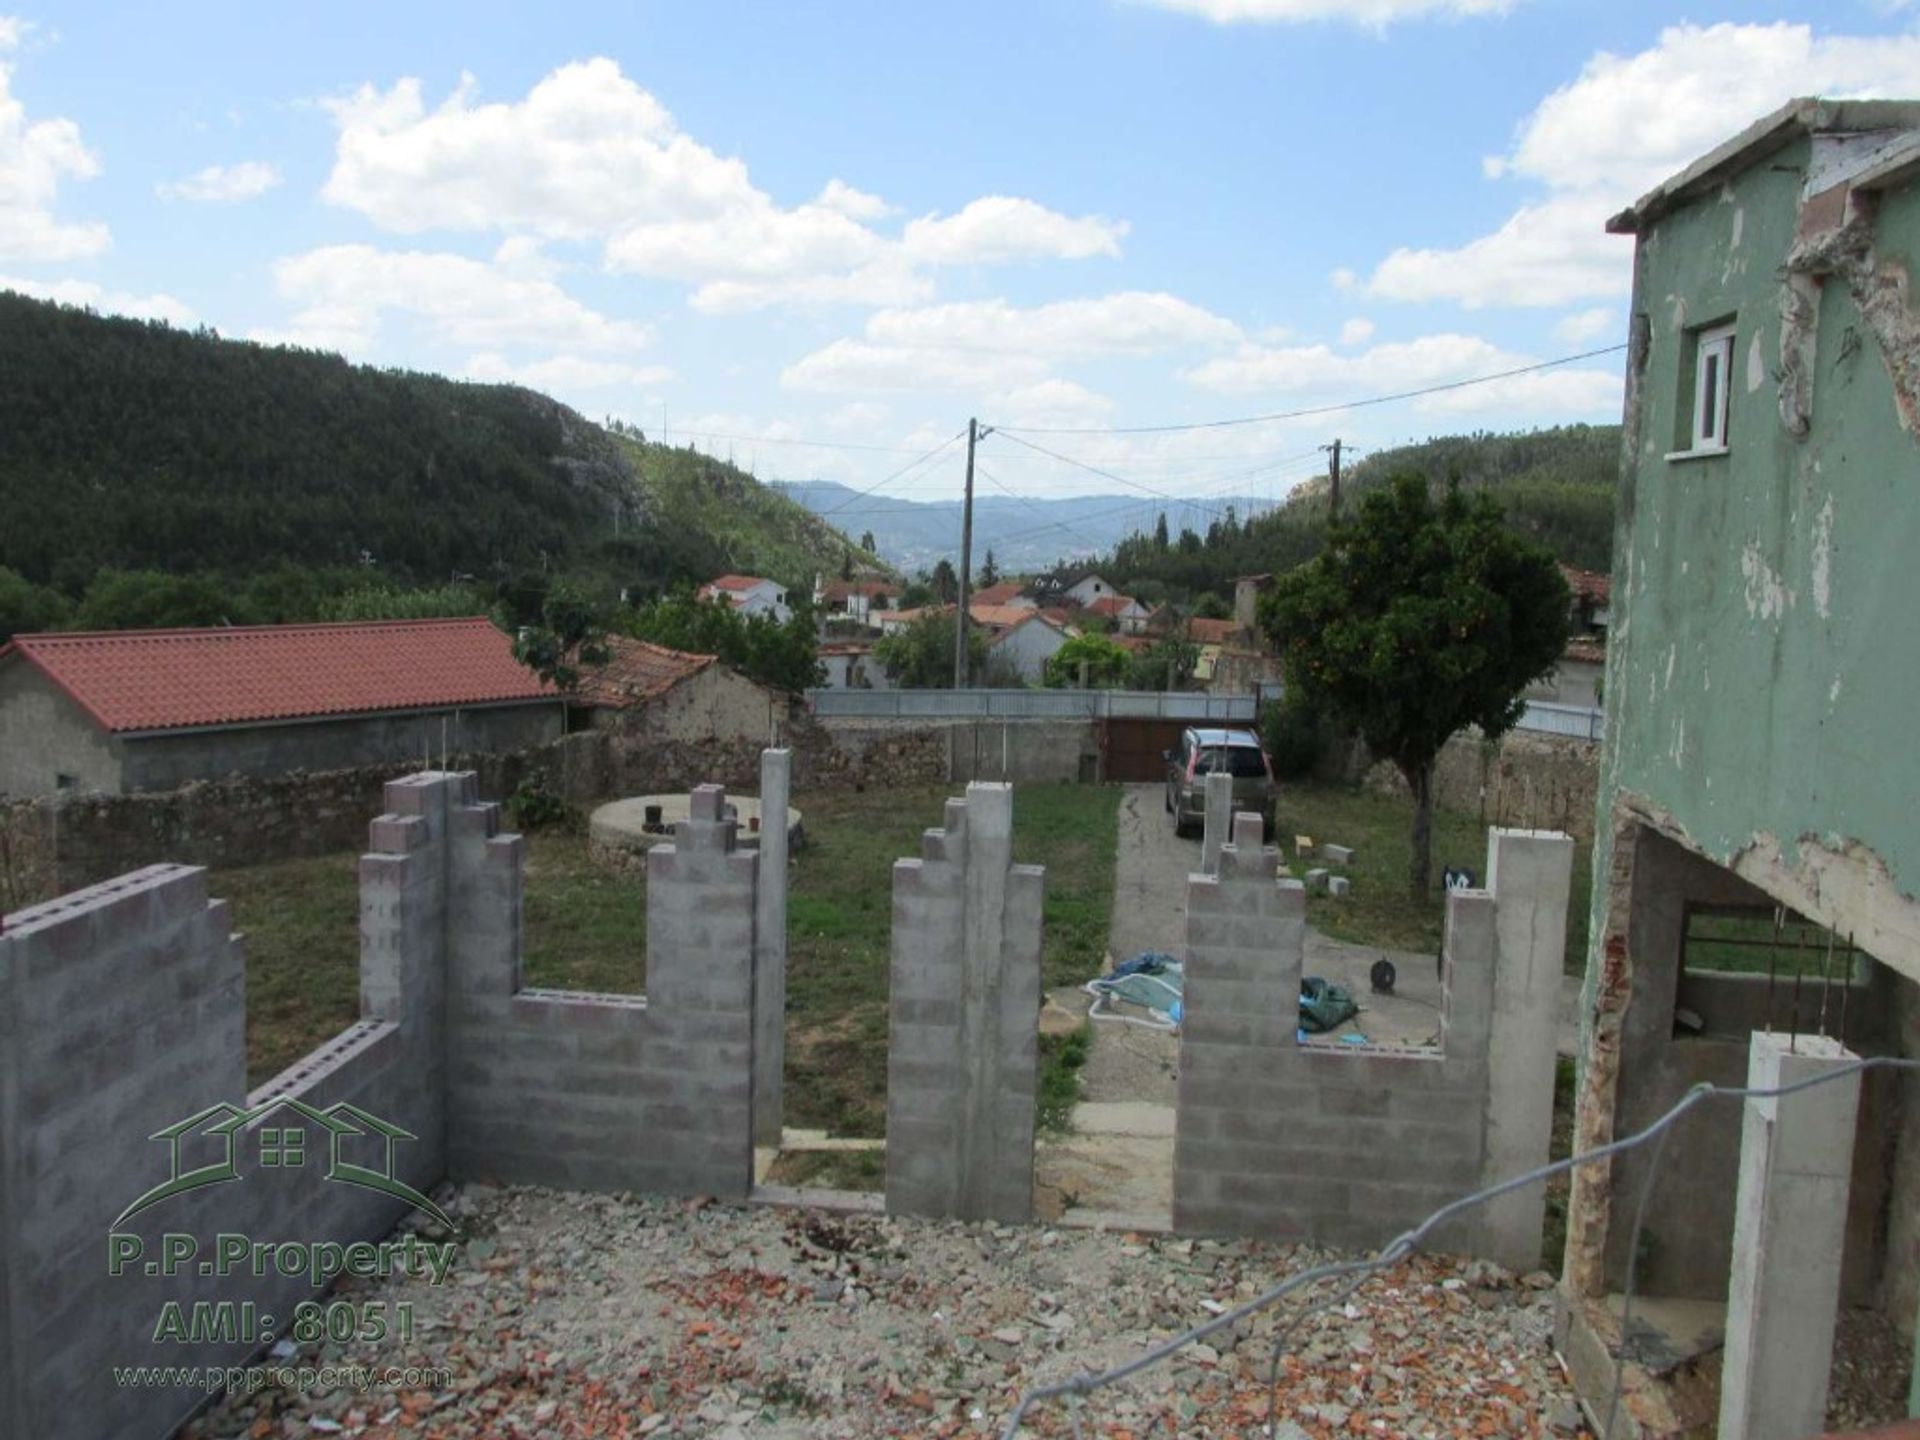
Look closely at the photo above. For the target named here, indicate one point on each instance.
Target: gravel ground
(576, 1315)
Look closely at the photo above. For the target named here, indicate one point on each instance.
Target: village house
(1085, 590)
(1126, 615)
(850, 665)
(676, 695)
(1578, 678)
(1024, 646)
(136, 710)
(855, 600)
(1006, 593)
(750, 595)
(1756, 861)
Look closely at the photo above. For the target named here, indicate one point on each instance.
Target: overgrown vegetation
(1556, 487)
(1419, 619)
(781, 655)
(153, 476)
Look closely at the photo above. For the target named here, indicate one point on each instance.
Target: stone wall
(1526, 780)
(1351, 1146)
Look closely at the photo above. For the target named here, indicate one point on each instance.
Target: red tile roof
(171, 679)
(1005, 593)
(1588, 650)
(872, 589)
(734, 582)
(636, 671)
(1112, 605)
(1588, 584)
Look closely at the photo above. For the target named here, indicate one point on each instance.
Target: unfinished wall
(1687, 1250)
(607, 1092)
(963, 1013)
(1284, 1138)
(122, 1012)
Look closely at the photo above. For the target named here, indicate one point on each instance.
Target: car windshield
(1243, 762)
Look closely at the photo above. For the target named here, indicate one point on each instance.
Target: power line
(910, 465)
(808, 444)
(1409, 1241)
(1315, 410)
(1117, 479)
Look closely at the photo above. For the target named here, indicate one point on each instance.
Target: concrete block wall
(122, 1012)
(607, 1092)
(1315, 1141)
(963, 1047)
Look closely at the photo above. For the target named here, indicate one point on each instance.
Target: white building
(749, 594)
(1026, 645)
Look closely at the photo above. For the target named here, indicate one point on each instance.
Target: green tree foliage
(383, 602)
(989, 570)
(131, 446)
(1104, 664)
(572, 634)
(946, 584)
(154, 600)
(1297, 736)
(1166, 666)
(26, 608)
(920, 656)
(866, 541)
(781, 655)
(1556, 487)
(1419, 619)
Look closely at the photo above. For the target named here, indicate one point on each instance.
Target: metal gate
(1132, 749)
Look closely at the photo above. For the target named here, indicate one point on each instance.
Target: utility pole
(975, 434)
(1333, 481)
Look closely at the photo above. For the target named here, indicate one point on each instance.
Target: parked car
(1203, 752)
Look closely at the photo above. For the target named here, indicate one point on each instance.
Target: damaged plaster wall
(1760, 688)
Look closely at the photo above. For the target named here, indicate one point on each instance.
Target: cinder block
(1337, 854)
(1316, 880)
(1338, 885)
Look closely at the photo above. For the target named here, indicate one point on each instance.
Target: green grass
(839, 915)
(1062, 1057)
(1746, 943)
(586, 930)
(301, 919)
(1378, 910)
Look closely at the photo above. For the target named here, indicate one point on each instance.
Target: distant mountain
(1025, 535)
(130, 445)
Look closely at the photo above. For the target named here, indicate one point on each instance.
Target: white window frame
(1712, 402)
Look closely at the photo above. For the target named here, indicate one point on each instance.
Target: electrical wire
(903, 470)
(1310, 411)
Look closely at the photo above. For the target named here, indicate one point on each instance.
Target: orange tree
(1421, 616)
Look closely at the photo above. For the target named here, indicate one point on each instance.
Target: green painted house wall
(1763, 682)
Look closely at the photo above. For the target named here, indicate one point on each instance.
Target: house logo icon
(282, 1145)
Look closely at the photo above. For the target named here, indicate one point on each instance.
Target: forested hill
(132, 446)
(1556, 486)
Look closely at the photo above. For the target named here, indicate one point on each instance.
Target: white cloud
(999, 228)
(856, 366)
(34, 159)
(1356, 332)
(1585, 325)
(562, 374)
(1374, 14)
(1132, 322)
(1051, 402)
(1312, 371)
(107, 302)
(855, 204)
(344, 293)
(991, 345)
(1625, 124)
(589, 157)
(222, 184)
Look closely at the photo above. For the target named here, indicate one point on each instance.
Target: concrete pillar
(770, 948)
(1796, 1154)
(1530, 873)
(963, 1008)
(1218, 823)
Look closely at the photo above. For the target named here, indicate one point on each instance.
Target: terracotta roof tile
(1211, 632)
(637, 670)
(840, 589)
(734, 582)
(174, 679)
(1112, 605)
(1005, 593)
(1589, 584)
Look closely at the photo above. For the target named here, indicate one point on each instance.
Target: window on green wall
(1705, 404)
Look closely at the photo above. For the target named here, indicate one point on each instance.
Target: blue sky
(856, 226)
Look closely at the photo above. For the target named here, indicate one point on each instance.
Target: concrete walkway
(1120, 1157)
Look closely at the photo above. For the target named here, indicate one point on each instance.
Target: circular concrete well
(622, 831)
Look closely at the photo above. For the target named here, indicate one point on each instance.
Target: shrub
(532, 806)
(1296, 735)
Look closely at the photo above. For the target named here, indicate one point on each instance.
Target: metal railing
(1030, 705)
(1583, 722)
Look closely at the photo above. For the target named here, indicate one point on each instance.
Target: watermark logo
(283, 1146)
